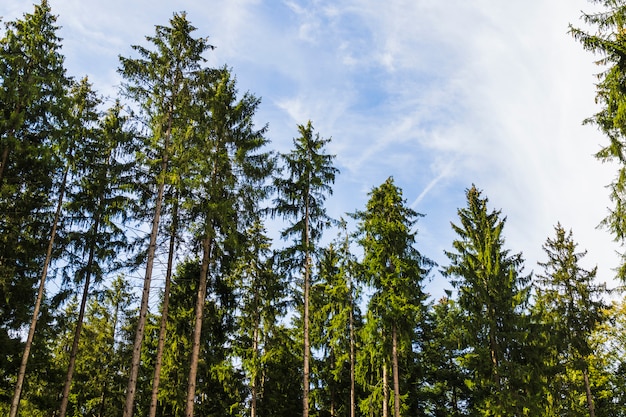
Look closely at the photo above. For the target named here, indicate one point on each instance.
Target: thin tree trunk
(77, 331)
(352, 370)
(200, 301)
(395, 370)
(15, 403)
(253, 380)
(164, 313)
(306, 343)
(145, 297)
(590, 405)
(3, 162)
(385, 392)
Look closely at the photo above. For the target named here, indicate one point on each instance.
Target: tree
(99, 201)
(333, 327)
(227, 182)
(161, 81)
(395, 270)
(609, 41)
(493, 294)
(261, 299)
(573, 307)
(300, 198)
(32, 97)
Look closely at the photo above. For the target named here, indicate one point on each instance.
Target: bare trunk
(352, 370)
(164, 313)
(77, 331)
(590, 405)
(143, 312)
(3, 162)
(395, 370)
(307, 285)
(253, 380)
(385, 392)
(15, 403)
(195, 348)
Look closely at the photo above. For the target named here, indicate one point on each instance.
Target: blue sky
(437, 94)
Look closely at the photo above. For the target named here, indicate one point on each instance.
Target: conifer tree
(32, 95)
(493, 294)
(573, 307)
(300, 199)
(608, 41)
(162, 82)
(396, 270)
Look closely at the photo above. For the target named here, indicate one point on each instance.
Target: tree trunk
(143, 312)
(15, 403)
(590, 405)
(200, 301)
(164, 313)
(396, 376)
(253, 379)
(77, 331)
(385, 392)
(352, 370)
(307, 286)
(3, 162)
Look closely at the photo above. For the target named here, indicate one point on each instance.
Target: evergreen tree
(226, 182)
(32, 95)
(396, 271)
(300, 198)
(573, 308)
(608, 40)
(161, 81)
(493, 295)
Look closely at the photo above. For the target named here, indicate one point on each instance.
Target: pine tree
(609, 42)
(161, 81)
(226, 182)
(396, 271)
(300, 199)
(493, 294)
(573, 307)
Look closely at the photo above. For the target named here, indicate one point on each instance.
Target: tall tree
(333, 327)
(608, 40)
(493, 294)
(573, 306)
(99, 201)
(32, 95)
(395, 270)
(161, 82)
(261, 299)
(227, 181)
(300, 199)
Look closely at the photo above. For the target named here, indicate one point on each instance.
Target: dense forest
(169, 188)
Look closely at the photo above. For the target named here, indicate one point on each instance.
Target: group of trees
(168, 190)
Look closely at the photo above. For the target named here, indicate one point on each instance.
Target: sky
(438, 94)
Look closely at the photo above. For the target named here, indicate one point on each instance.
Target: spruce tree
(493, 294)
(395, 270)
(300, 199)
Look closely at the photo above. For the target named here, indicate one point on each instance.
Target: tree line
(170, 189)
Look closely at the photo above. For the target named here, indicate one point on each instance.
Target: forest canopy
(150, 211)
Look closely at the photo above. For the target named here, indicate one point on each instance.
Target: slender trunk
(79, 327)
(395, 370)
(164, 313)
(253, 379)
(200, 301)
(145, 296)
(3, 162)
(590, 405)
(15, 403)
(385, 392)
(305, 319)
(352, 370)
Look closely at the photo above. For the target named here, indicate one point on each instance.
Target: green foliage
(493, 295)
